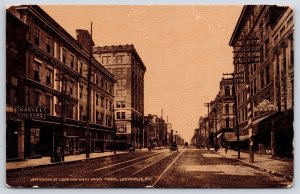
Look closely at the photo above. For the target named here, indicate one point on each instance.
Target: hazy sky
(184, 48)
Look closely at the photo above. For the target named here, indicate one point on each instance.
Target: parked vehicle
(174, 147)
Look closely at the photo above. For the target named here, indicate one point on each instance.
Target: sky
(184, 48)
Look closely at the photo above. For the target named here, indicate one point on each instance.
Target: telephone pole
(59, 144)
(88, 108)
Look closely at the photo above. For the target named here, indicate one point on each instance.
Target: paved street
(186, 168)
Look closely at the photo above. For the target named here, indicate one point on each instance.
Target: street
(187, 168)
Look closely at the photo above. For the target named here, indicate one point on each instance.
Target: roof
(116, 48)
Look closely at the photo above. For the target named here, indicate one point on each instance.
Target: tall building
(262, 44)
(128, 69)
(226, 118)
(54, 106)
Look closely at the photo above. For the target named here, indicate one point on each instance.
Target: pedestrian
(226, 148)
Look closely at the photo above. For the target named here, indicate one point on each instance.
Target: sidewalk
(279, 166)
(45, 161)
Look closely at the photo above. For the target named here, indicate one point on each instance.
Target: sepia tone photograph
(149, 96)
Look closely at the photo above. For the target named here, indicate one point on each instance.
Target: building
(128, 69)
(204, 132)
(226, 118)
(262, 44)
(55, 106)
(150, 132)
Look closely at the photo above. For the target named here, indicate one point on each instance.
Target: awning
(219, 135)
(241, 138)
(255, 122)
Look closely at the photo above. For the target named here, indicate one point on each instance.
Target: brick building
(47, 67)
(262, 44)
(128, 69)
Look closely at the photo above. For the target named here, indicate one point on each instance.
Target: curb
(275, 173)
(59, 163)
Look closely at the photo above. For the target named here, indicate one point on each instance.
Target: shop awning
(241, 138)
(255, 122)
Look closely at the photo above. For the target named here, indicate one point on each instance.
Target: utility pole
(115, 130)
(208, 105)
(59, 146)
(88, 108)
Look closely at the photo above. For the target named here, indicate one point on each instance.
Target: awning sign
(265, 106)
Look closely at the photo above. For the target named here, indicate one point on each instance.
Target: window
(284, 58)
(118, 115)
(48, 44)
(267, 74)
(120, 59)
(36, 70)
(71, 88)
(262, 80)
(36, 99)
(254, 86)
(123, 93)
(81, 112)
(120, 104)
(102, 101)
(261, 54)
(80, 67)
(80, 92)
(48, 76)
(121, 82)
(292, 51)
(227, 91)
(123, 115)
(110, 105)
(119, 93)
(267, 48)
(37, 36)
(97, 115)
(119, 71)
(227, 108)
(72, 61)
(227, 122)
(97, 99)
(102, 82)
(106, 103)
(97, 79)
(64, 55)
(106, 59)
(123, 71)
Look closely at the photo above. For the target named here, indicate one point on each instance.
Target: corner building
(262, 44)
(46, 66)
(128, 69)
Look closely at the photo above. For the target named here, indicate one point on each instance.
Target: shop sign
(31, 112)
(265, 106)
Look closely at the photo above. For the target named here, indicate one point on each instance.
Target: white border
(3, 189)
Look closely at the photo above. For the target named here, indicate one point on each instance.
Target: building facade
(262, 44)
(128, 69)
(48, 69)
(226, 118)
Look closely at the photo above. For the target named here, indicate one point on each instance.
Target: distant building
(226, 118)
(128, 69)
(47, 67)
(262, 44)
